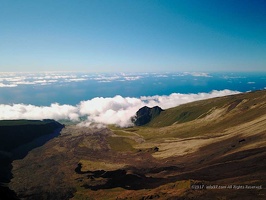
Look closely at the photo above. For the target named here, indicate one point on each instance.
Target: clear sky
(132, 35)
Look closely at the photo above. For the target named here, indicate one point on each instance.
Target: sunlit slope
(221, 109)
(186, 128)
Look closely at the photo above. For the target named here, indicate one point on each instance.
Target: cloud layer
(116, 110)
(12, 79)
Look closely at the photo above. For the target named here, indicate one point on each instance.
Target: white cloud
(161, 76)
(116, 77)
(197, 74)
(176, 99)
(132, 78)
(251, 82)
(54, 111)
(180, 74)
(7, 85)
(232, 77)
(41, 81)
(24, 83)
(75, 79)
(116, 110)
(15, 79)
(106, 78)
(45, 78)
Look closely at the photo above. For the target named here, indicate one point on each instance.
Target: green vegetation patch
(122, 133)
(181, 114)
(88, 165)
(199, 109)
(121, 143)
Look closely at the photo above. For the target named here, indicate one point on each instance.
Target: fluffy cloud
(176, 99)
(116, 110)
(54, 111)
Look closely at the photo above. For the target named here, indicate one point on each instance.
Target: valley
(207, 149)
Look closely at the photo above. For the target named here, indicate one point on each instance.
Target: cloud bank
(47, 78)
(116, 110)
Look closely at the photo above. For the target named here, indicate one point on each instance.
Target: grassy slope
(201, 117)
(187, 128)
(199, 109)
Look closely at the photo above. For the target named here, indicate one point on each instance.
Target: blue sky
(132, 35)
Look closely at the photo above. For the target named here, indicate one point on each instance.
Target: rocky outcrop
(146, 114)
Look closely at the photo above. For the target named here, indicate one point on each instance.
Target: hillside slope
(17, 137)
(14, 133)
(249, 105)
(211, 149)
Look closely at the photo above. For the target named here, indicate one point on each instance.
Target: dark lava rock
(146, 114)
(7, 194)
(243, 140)
(155, 149)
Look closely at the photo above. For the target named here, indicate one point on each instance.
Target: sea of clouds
(116, 110)
(15, 79)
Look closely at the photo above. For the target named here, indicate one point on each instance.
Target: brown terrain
(211, 149)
